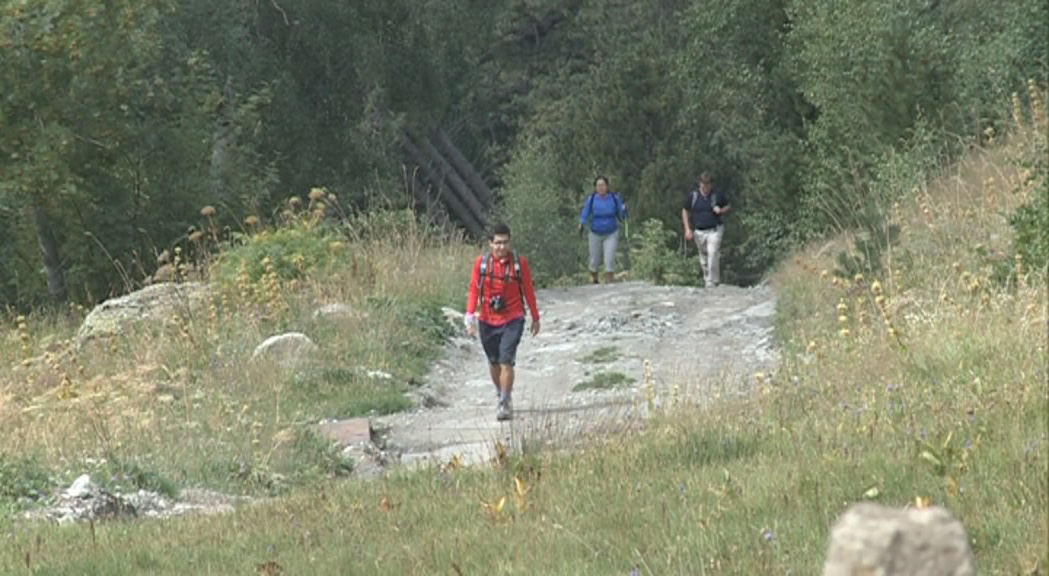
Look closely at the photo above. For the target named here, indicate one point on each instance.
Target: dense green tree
(105, 142)
(121, 120)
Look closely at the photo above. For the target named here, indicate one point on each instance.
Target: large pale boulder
(285, 349)
(156, 303)
(874, 540)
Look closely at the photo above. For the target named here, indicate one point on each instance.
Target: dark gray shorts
(500, 342)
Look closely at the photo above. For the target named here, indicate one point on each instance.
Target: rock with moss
(158, 303)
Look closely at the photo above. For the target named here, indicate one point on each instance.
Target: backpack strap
(615, 198)
(484, 268)
(517, 276)
(480, 277)
(485, 259)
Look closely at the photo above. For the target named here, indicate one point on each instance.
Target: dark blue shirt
(703, 216)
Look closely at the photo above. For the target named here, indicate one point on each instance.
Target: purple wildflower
(768, 535)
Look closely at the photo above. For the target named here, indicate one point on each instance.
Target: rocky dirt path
(694, 339)
(697, 341)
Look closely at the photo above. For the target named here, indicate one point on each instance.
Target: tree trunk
(221, 141)
(5, 300)
(50, 253)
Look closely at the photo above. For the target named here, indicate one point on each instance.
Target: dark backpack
(506, 277)
(695, 198)
(615, 197)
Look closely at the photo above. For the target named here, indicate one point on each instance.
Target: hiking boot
(504, 411)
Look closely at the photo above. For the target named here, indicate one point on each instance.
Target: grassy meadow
(922, 381)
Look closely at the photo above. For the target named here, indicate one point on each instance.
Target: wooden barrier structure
(442, 177)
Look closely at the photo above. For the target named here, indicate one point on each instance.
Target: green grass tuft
(602, 355)
(605, 381)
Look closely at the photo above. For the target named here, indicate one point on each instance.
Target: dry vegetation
(181, 397)
(922, 382)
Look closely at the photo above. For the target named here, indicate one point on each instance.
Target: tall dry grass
(923, 383)
(181, 396)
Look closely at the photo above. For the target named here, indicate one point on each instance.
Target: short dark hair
(706, 178)
(600, 178)
(500, 229)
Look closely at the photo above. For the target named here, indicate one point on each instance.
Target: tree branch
(282, 12)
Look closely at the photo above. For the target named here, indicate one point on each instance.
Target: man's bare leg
(495, 370)
(506, 387)
(506, 380)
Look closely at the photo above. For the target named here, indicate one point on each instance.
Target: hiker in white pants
(701, 216)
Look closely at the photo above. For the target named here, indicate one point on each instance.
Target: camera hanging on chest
(496, 303)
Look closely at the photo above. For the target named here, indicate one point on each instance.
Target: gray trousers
(709, 244)
(603, 245)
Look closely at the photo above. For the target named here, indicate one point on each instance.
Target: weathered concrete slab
(346, 432)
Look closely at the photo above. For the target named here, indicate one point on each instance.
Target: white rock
(81, 487)
(286, 348)
(333, 311)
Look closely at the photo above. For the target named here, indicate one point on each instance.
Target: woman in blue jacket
(603, 209)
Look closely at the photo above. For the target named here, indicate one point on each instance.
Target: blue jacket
(603, 213)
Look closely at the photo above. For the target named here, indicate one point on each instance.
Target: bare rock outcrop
(85, 500)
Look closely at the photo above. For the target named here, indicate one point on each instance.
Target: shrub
(293, 251)
(1031, 220)
(22, 478)
(654, 260)
(540, 215)
(127, 475)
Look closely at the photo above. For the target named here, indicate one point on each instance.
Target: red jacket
(500, 279)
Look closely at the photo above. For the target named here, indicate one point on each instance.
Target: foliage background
(121, 121)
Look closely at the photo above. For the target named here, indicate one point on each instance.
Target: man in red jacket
(501, 283)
